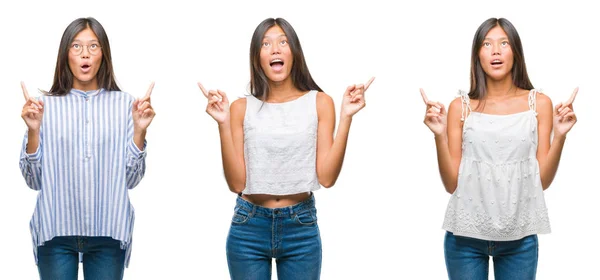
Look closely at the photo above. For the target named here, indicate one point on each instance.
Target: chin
(498, 75)
(279, 77)
(85, 78)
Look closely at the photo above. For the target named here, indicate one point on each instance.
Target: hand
(435, 115)
(218, 104)
(142, 111)
(33, 110)
(354, 99)
(564, 116)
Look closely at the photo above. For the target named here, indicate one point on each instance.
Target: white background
(382, 219)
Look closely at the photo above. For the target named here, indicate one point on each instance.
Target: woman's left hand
(354, 99)
(564, 116)
(142, 111)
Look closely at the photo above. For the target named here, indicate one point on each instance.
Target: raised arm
(559, 121)
(31, 152)
(142, 115)
(447, 130)
(330, 151)
(231, 132)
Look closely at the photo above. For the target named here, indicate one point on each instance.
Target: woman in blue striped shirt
(84, 148)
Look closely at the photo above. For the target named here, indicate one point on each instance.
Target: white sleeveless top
(499, 196)
(280, 146)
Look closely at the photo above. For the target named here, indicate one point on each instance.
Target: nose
(85, 52)
(496, 49)
(276, 49)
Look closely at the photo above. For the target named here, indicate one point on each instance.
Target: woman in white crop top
(496, 157)
(277, 147)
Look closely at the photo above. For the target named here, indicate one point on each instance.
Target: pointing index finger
(203, 89)
(25, 93)
(424, 96)
(369, 83)
(149, 92)
(573, 95)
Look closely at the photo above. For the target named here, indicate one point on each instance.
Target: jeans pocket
(240, 216)
(306, 217)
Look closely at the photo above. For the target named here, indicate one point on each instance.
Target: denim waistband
(276, 212)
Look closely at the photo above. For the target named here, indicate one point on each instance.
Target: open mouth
(276, 64)
(85, 67)
(496, 62)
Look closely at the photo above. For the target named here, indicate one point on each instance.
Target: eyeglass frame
(95, 52)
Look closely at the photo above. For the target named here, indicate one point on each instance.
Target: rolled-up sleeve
(136, 164)
(31, 165)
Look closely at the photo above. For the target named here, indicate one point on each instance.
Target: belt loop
(253, 210)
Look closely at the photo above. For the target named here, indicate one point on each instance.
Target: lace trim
(506, 227)
(532, 100)
(465, 105)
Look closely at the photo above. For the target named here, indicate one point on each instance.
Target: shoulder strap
(532, 100)
(465, 105)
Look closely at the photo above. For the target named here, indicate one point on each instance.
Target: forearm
(332, 166)
(549, 166)
(448, 171)
(139, 135)
(33, 141)
(233, 165)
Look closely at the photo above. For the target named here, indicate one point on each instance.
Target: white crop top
(280, 146)
(499, 196)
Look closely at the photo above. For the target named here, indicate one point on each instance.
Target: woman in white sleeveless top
(496, 157)
(277, 148)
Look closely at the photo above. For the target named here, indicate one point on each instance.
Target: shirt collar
(87, 93)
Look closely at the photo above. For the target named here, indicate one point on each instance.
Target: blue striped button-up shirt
(85, 163)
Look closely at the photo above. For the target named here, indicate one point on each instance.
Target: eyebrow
(281, 35)
(90, 41)
(488, 38)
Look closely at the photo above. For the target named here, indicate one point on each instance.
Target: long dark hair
(519, 70)
(63, 77)
(301, 78)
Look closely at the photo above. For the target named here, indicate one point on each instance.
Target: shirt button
(88, 121)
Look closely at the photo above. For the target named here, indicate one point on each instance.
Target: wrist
(139, 133)
(559, 138)
(441, 136)
(344, 117)
(33, 130)
(224, 125)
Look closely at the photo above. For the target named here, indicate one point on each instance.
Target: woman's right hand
(33, 111)
(218, 104)
(435, 115)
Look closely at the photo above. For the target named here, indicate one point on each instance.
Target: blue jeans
(290, 235)
(103, 258)
(468, 258)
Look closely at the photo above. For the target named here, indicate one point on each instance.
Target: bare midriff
(276, 201)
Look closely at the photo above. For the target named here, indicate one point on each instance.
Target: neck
(282, 91)
(86, 86)
(500, 88)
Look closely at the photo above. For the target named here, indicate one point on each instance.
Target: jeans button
(276, 212)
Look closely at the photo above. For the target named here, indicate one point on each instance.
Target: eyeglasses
(77, 49)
